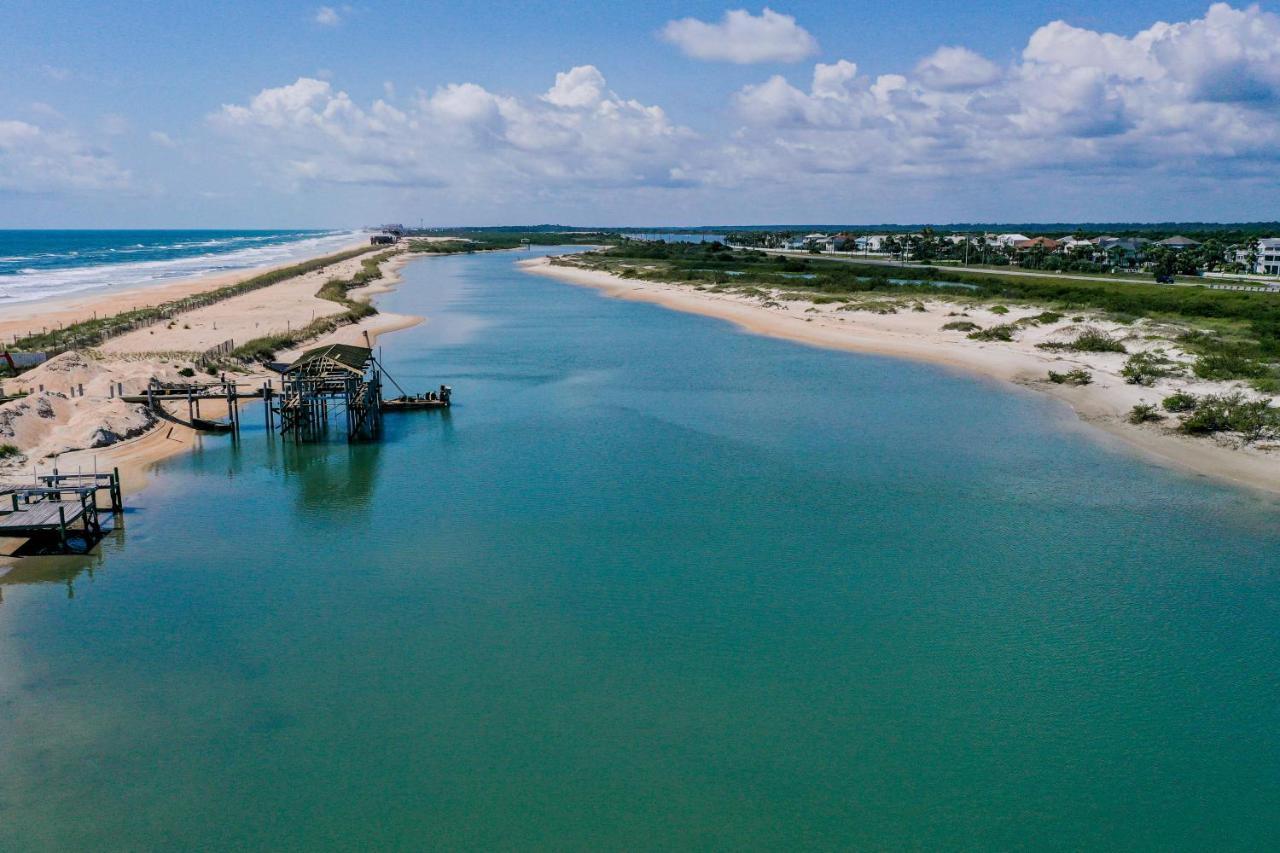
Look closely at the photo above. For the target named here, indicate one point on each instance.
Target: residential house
(1267, 258)
(1008, 240)
(1046, 243)
(1178, 243)
(1127, 252)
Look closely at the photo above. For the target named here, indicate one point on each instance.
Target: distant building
(383, 239)
(1178, 243)
(1008, 240)
(1267, 259)
(1127, 251)
(1046, 243)
(1068, 243)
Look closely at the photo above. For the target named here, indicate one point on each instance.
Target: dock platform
(63, 514)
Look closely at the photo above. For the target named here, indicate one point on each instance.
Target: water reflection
(334, 477)
(62, 569)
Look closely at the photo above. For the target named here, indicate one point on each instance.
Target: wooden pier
(60, 512)
(194, 393)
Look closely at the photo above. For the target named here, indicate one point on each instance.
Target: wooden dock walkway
(65, 509)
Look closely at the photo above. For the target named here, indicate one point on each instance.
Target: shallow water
(653, 583)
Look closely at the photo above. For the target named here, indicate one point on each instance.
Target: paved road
(855, 259)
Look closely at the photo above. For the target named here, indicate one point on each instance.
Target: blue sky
(311, 114)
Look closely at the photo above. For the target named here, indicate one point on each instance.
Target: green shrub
(1078, 376)
(1096, 340)
(1143, 413)
(1268, 384)
(999, 309)
(1003, 332)
(960, 326)
(1179, 401)
(1228, 365)
(1144, 368)
(1090, 339)
(186, 371)
(1040, 319)
(1252, 419)
(8, 451)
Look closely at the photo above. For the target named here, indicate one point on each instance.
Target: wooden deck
(63, 513)
(44, 516)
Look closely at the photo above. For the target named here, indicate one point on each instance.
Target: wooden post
(62, 526)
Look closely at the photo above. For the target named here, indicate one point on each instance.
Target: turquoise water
(654, 583)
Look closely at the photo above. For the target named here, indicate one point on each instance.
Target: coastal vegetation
(94, 331)
(1143, 413)
(486, 240)
(335, 290)
(1076, 376)
(1002, 332)
(1179, 401)
(1089, 339)
(1232, 334)
(1144, 368)
(1251, 419)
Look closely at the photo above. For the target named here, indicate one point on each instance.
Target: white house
(871, 242)
(1267, 261)
(1007, 240)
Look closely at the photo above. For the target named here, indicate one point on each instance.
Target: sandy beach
(94, 430)
(916, 333)
(27, 317)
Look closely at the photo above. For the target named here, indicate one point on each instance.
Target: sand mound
(44, 425)
(97, 374)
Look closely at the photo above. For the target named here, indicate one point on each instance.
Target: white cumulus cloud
(35, 159)
(956, 68)
(577, 87)
(1193, 103)
(460, 135)
(742, 38)
(1187, 98)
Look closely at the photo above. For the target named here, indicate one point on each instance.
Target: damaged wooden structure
(60, 513)
(226, 391)
(327, 380)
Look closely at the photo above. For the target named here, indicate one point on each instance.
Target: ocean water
(46, 264)
(653, 583)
